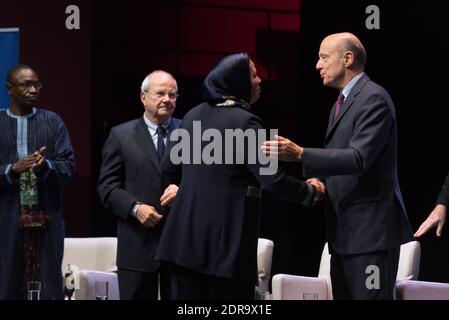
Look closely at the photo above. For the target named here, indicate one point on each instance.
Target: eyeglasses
(161, 94)
(27, 85)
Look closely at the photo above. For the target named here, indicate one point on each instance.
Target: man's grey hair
(356, 47)
(146, 82)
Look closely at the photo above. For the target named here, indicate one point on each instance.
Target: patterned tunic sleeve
(61, 163)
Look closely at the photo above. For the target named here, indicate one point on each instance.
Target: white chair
(92, 260)
(292, 287)
(264, 260)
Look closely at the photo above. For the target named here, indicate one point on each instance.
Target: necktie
(338, 104)
(161, 131)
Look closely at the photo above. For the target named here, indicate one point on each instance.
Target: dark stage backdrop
(93, 77)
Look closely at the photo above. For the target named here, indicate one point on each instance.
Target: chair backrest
(325, 262)
(91, 253)
(264, 260)
(325, 269)
(409, 260)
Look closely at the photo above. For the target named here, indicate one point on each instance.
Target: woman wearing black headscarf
(210, 236)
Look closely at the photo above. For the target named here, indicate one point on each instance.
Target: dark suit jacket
(365, 207)
(213, 226)
(131, 173)
(443, 197)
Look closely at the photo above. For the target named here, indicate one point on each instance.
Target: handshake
(320, 190)
(287, 150)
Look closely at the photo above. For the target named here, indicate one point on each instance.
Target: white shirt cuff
(134, 210)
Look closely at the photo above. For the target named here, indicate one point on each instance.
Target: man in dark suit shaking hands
(366, 218)
(132, 187)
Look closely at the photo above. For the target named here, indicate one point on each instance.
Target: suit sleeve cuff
(443, 200)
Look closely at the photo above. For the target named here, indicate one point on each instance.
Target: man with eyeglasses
(132, 187)
(36, 158)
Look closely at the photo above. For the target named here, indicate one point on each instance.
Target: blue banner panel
(9, 57)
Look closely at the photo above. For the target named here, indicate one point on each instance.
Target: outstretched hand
(436, 218)
(282, 148)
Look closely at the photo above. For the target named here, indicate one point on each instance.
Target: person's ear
(348, 58)
(142, 97)
(8, 87)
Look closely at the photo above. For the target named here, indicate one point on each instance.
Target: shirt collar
(8, 112)
(153, 127)
(347, 89)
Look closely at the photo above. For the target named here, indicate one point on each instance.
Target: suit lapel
(331, 121)
(346, 105)
(145, 141)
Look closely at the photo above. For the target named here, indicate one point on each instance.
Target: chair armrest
(421, 290)
(87, 279)
(290, 287)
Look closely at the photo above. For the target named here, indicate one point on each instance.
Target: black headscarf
(229, 80)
